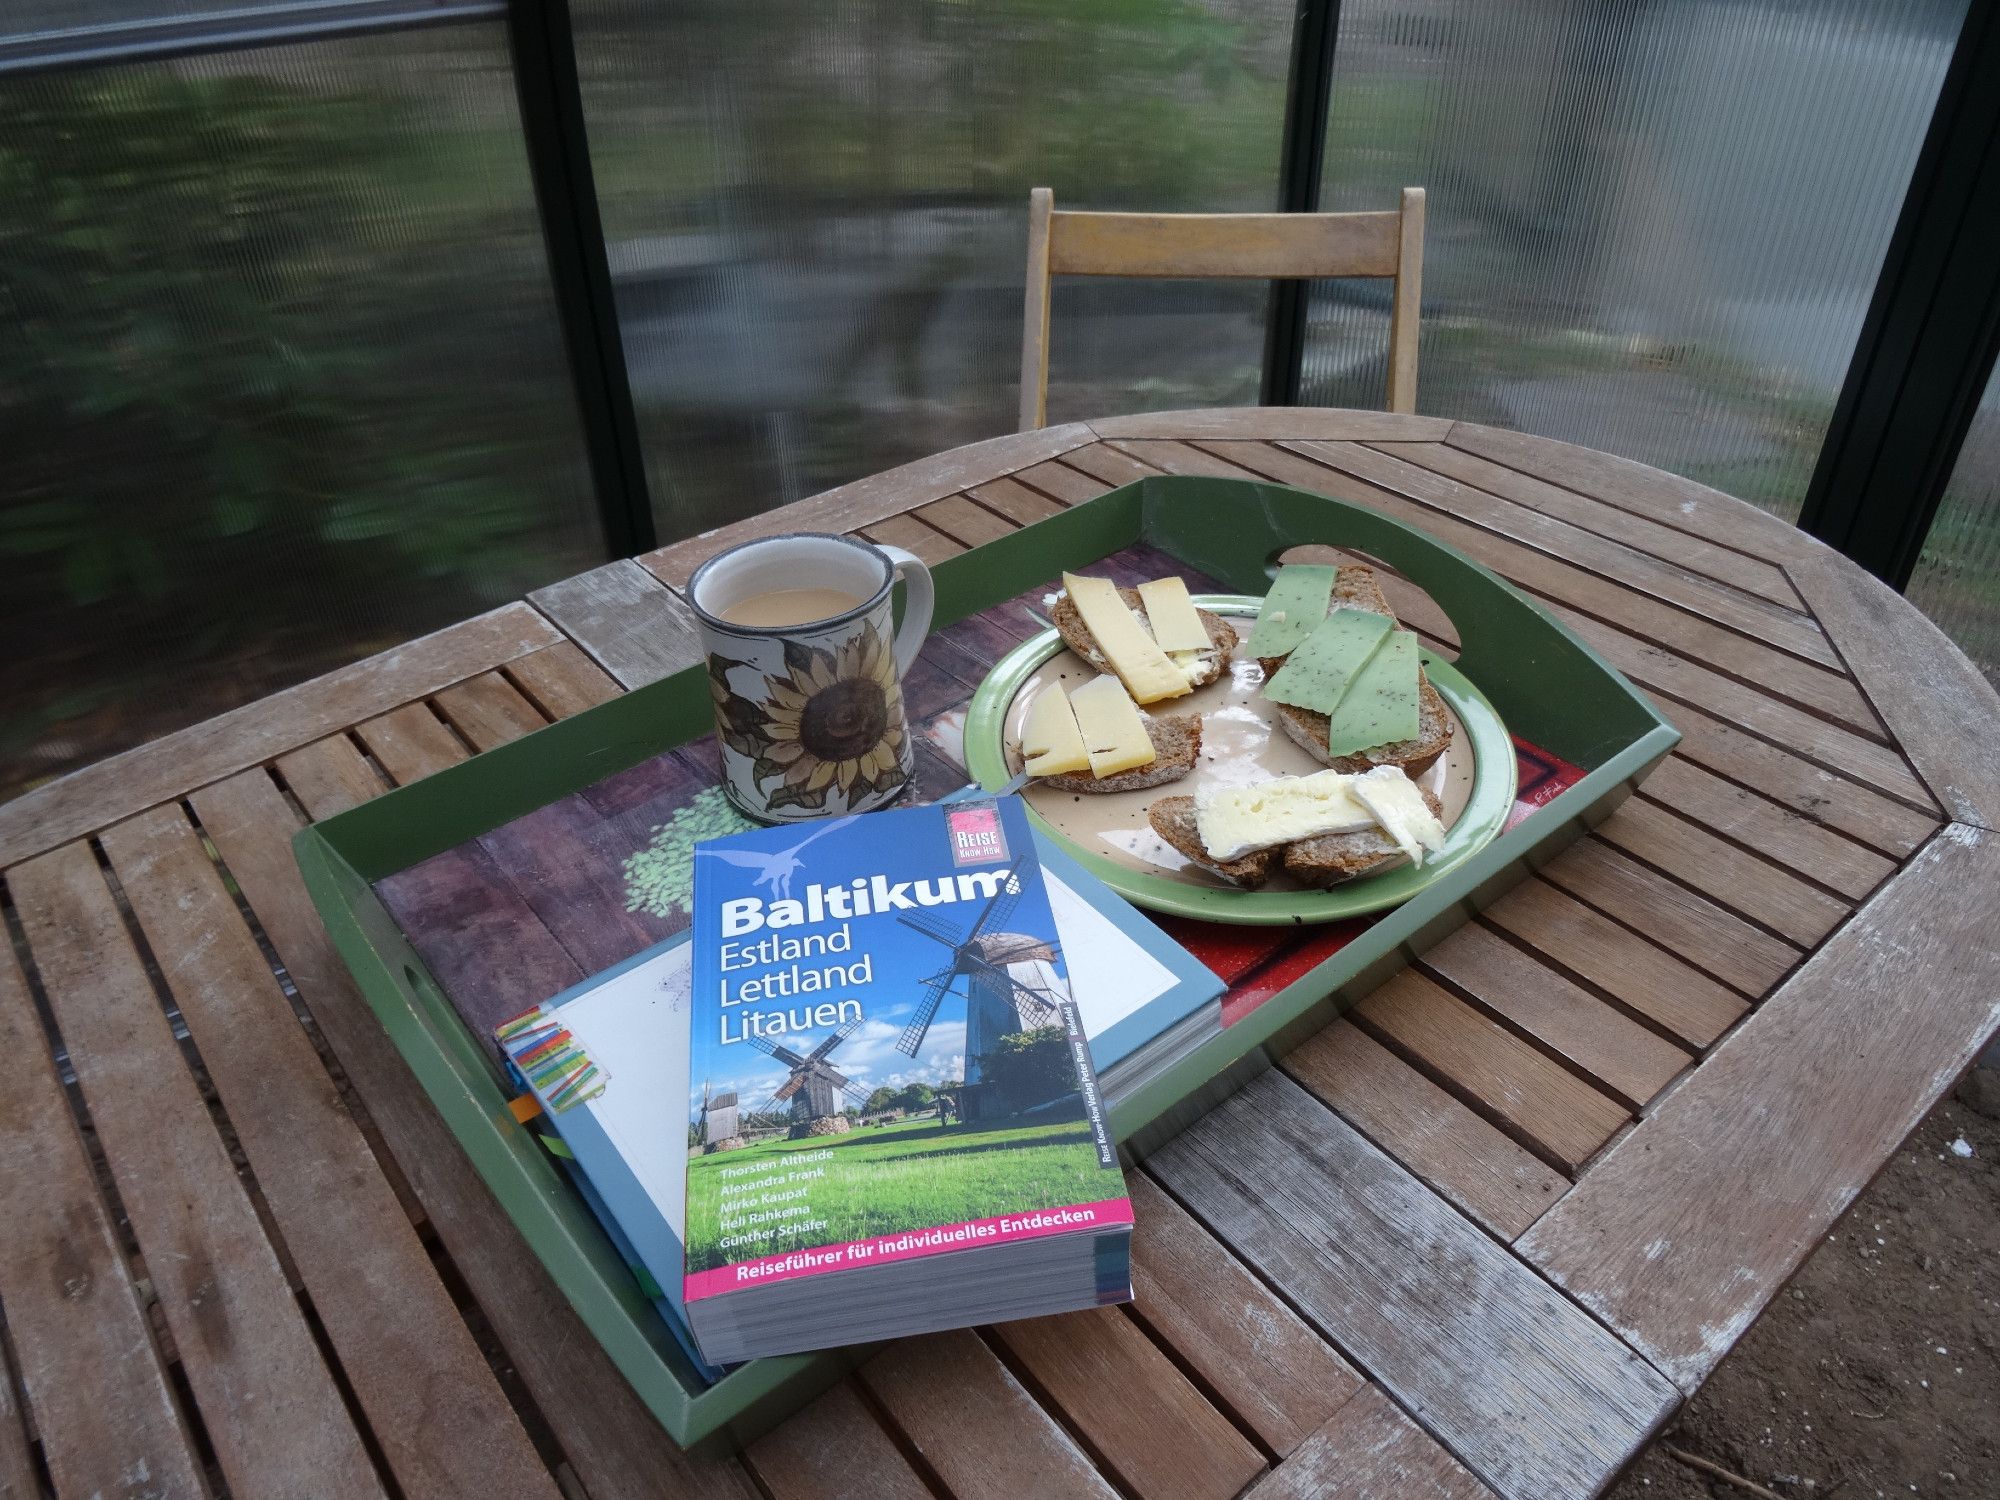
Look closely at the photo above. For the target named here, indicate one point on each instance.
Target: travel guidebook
(608, 1059)
(916, 1140)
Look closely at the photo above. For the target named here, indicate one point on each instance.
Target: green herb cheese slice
(1293, 608)
(1380, 704)
(1318, 672)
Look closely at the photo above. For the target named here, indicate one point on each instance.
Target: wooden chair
(1265, 246)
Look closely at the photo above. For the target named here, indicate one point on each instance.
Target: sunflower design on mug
(832, 722)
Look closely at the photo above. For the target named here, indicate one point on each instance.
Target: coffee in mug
(805, 671)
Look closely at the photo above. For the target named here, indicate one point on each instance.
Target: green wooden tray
(1545, 684)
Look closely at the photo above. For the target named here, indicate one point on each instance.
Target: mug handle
(917, 607)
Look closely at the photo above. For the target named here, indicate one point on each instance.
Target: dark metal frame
(1932, 331)
(1301, 164)
(558, 142)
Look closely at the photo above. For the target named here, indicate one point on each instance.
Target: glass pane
(1653, 229)
(1957, 581)
(280, 379)
(817, 216)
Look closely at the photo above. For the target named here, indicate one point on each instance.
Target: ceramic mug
(810, 717)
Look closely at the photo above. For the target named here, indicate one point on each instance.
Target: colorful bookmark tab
(551, 1059)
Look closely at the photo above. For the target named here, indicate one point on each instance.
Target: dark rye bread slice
(1176, 741)
(1076, 635)
(1357, 587)
(1415, 756)
(1332, 858)
(1327, 860)
(1173, 820)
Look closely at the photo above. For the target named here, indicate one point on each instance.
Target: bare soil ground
(1877, 1372)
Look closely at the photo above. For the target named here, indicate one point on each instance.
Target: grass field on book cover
(884, 1045)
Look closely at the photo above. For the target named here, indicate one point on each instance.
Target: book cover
(886, 999)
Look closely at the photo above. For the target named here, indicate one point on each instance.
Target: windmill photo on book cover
(893, 1019)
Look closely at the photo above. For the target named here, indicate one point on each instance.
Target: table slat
(1829, 799)
(632, 625)
(1751, 574)
(854, 506)
(965, 522)
(1460, 1156)
(912, 535)
(974, 1425)
(1742, 882)
(1775, 832)
(1055, 478)
(86, 800)
(17, 1465)
(562, 681)
(611, 1440)
(834, 1449)
(1369, 1450)
(1016, 501)
(1642, 977)
(410, 742)
(1112, 465)
(1275, 422)
(1788, 629)
(1626, 1059)
(1788, 1120)
(1418, 1294)
(330, 773)
(429, 1398)
(103, 1407)
(489, 710)
(1645, 491)
(1262, 1359)
(1687, 924)
(1139, 1414)
(1943, 705)
(270, 1407)
(1491, 1068)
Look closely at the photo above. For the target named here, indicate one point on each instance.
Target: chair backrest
(1265, 246)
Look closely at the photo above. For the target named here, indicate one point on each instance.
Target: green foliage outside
(267, 406)
(908, 1175)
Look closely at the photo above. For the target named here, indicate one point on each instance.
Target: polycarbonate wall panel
(816, 217)
(281, 381)
(1957, 581)
(1654, 228)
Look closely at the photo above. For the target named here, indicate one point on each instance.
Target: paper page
(1110, 975)
(636, 1025)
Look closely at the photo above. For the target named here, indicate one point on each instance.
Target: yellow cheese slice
(1114, 734)
(1050, 740)
(1176, 627)
(1139, 662)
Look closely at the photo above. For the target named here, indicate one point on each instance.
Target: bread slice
(1332, 858)
(1358, 587)
(1173, 820)
(1176, 741)
(1076, 635)
(1309, 731)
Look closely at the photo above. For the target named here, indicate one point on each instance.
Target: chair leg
(1035, 318)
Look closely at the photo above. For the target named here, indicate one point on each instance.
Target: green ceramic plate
(1474, 779)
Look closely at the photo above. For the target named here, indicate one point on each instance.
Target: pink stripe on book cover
(908, 1244)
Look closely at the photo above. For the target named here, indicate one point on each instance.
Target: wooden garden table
(1485, 1233)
